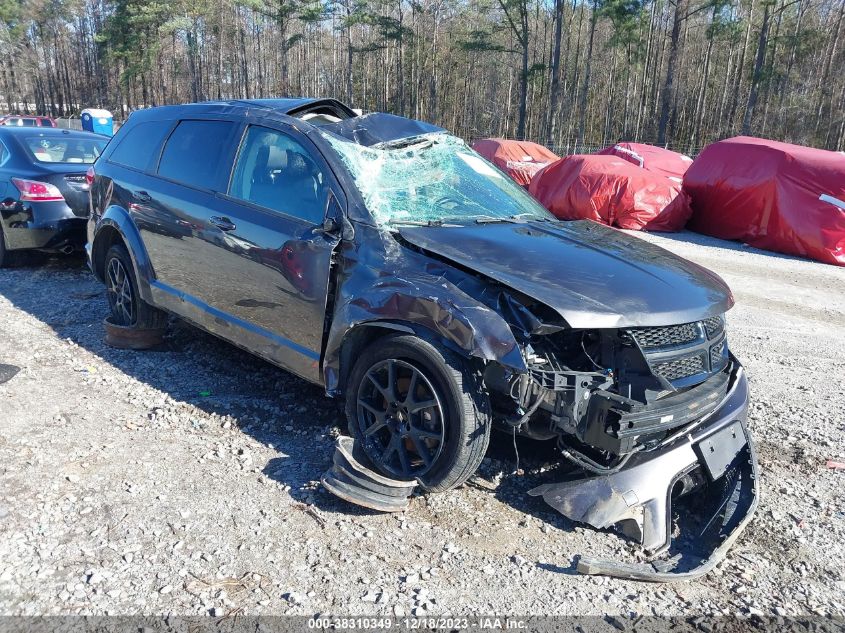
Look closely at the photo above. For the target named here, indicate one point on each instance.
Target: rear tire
(127, 307)
(438, 433)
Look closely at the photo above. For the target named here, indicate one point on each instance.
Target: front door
(266, 263)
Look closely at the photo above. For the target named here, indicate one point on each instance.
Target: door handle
(222, 223)
(142, 196)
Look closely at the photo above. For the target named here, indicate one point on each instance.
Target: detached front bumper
(638, 499)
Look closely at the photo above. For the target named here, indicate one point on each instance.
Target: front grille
(681, 367)
(718, 358)
(684, 354)
(668, 336)
(714, 326)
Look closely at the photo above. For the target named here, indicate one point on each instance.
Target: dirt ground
(186, 480)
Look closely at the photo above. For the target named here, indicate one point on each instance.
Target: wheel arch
(485, 337)
(365, 334)
(116, 226)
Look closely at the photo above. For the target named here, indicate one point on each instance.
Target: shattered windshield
(432, 178)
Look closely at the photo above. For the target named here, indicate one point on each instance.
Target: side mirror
(336, 224)
(329, 227)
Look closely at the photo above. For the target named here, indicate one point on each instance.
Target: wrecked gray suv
(383, 259)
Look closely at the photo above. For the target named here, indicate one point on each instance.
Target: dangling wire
(587, 354)
(516, 451)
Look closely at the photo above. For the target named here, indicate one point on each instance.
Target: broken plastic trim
(655, 572)
(353, 479)
(638, 498)
(428, 178)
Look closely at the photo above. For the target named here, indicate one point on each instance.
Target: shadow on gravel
(286, 413)
(274, 407)
(559, 569)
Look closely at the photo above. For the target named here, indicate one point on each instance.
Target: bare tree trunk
(740, 69)
(523, 77)
(669, 83)
(770, 72)
(701, 101)
(585, 84)
(646, 74)
(758, 69)
(554, 85)
(823, 88)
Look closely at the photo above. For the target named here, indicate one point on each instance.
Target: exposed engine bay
(606, 394)
(653, 415)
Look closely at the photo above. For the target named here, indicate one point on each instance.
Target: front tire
(127, 307)
(419, 412)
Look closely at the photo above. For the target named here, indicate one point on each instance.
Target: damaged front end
(656, 415)
(712, 460)
(609, 346)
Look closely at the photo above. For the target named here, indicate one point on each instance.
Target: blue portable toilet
(98, 121)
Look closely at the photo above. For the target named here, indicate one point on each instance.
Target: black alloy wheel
(401, 418)
(120, 293)
(418, 410)
(128, 309)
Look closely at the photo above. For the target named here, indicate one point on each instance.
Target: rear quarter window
(140, 145)
(193, 153)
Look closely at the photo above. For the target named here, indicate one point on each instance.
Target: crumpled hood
(592, 275)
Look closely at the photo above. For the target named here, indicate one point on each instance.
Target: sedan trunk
(74, 188)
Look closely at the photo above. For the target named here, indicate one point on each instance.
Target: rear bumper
(638, 499)
(50, 235)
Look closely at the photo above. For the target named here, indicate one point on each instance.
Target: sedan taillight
(37, 191)
(89, 176)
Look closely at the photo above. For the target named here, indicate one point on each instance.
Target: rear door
(169, 209)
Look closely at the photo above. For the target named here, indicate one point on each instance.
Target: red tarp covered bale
(651, 158)
(518, 159)
(771, 195)
(612, 191)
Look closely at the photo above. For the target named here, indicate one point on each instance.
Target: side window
(276, 172)
(192, 154)
(139, 148)
(29, 122)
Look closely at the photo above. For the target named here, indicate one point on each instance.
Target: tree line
(572, 74)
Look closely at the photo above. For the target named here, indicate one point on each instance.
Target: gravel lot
(185, 481)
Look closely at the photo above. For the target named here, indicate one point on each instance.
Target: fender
(119, 219)
(410, 301)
